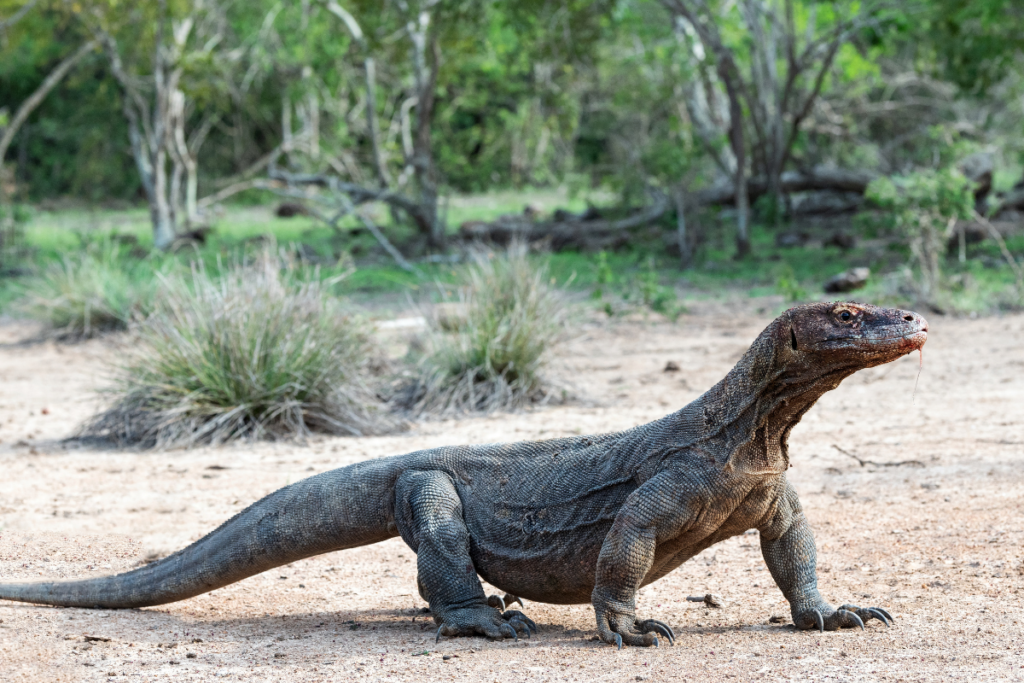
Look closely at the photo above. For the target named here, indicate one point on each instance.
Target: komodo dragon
(572, 520)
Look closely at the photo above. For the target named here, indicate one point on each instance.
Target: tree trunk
(163, 220)
(740, 179)
(422, 160)
(373, 129)
(685, 253)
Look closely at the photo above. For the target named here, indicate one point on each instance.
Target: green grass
(255, 352)
(770, 271)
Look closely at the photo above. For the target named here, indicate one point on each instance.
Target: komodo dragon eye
(845, 316)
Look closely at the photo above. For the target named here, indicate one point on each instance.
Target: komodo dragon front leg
(787, 545)
(650, 515)
(428, 514)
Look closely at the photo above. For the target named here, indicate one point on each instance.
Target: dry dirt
(929, 526)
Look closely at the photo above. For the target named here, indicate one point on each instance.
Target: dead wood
(565, 230)
(834, 179)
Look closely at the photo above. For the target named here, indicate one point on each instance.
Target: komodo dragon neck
(744, 421)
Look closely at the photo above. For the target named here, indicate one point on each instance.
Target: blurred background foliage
(614, 102)
(528, 93)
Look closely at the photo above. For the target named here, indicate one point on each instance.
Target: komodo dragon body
(572, 520)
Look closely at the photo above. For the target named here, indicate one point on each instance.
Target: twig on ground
(896, 463)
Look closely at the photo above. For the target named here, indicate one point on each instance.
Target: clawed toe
(659, 627)
(851, 616)
(820, 620)
(513, 616)
(846, 616)
(881, 615)
(521, 627)
(635, 633)
(502, 603)
(866, 613)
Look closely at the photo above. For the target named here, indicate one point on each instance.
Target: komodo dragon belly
(555, 567)
(549, 554)
(542, 544)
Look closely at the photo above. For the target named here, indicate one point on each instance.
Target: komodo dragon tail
(340, 509)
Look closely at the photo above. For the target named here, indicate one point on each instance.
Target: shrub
(96, 290)
(643, 289)
(788, 284)
(924, 207)
(250, 355)
(491, 355)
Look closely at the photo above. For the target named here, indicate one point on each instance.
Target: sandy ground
(936, 540)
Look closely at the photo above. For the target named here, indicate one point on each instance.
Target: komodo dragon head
(804, 353)
(844, 334)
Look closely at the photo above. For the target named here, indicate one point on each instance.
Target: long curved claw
(821, 621)
(497, 602)
(516, 621)
(856, 618)
(656, 643)
(509, 599)
(508, 628)
(877, 613)
(671, 634)
(437, 638)
(884, 613)
(661, 629)
(514, 614)
(618, 641)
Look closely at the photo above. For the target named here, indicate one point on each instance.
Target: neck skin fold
(744, 421)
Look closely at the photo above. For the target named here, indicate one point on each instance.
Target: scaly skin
(575, 520)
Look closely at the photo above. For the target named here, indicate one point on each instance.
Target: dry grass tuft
(488, 348)
(88, 293)
(250, 355)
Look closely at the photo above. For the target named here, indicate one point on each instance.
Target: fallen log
(1011, 201)
(835, 179)
(565, 232)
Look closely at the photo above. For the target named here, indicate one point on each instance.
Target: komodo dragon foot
(824, 618)
(485, 621)
(623, 628)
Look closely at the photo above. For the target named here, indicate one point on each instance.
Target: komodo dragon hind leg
(428, 513)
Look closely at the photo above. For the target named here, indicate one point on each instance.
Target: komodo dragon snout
(571, 520)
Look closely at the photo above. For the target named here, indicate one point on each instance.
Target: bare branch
(370, 78)
(233, 189)
(349, 21)
(17, 16)
(379, 236)
(1017, 269)
(40, 93)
